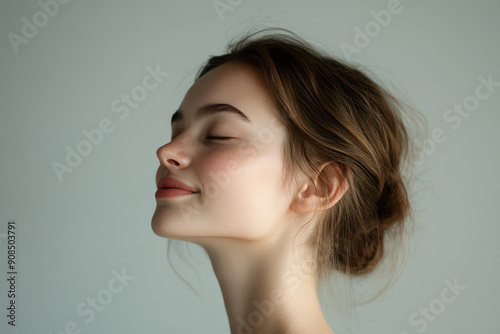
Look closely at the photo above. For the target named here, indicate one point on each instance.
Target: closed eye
(218, 138)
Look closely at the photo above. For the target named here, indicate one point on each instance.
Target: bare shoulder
(315, 330)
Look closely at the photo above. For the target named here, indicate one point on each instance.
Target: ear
(309, 200)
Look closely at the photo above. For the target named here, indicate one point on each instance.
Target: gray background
(71, 235)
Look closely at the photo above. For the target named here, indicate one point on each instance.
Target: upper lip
(171, 182)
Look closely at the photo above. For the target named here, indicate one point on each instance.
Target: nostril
(171, 161)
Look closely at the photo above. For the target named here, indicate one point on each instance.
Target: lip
(172, 183)
(172, 192)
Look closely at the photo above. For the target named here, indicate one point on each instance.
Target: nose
(172, 156)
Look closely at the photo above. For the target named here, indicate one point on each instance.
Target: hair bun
(392, 205)
(391, 185)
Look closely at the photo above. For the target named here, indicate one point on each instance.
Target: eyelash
(219, 138)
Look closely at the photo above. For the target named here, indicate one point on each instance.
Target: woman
(284, 165)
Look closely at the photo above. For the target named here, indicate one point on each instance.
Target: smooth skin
(241, 217)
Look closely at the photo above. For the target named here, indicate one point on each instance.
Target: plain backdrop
(63, 70)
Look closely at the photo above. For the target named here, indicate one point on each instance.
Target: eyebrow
(211, 109)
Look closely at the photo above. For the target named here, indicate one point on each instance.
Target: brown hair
(334, 113)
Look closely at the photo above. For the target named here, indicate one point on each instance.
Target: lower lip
(172, 192)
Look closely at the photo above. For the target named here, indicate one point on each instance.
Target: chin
(163, 225)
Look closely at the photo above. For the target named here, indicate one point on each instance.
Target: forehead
(235, 84)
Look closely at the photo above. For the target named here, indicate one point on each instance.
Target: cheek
(222, 167)
(241, 189)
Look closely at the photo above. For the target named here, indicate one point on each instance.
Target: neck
(266, 287)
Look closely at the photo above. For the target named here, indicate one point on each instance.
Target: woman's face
(238, 179)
